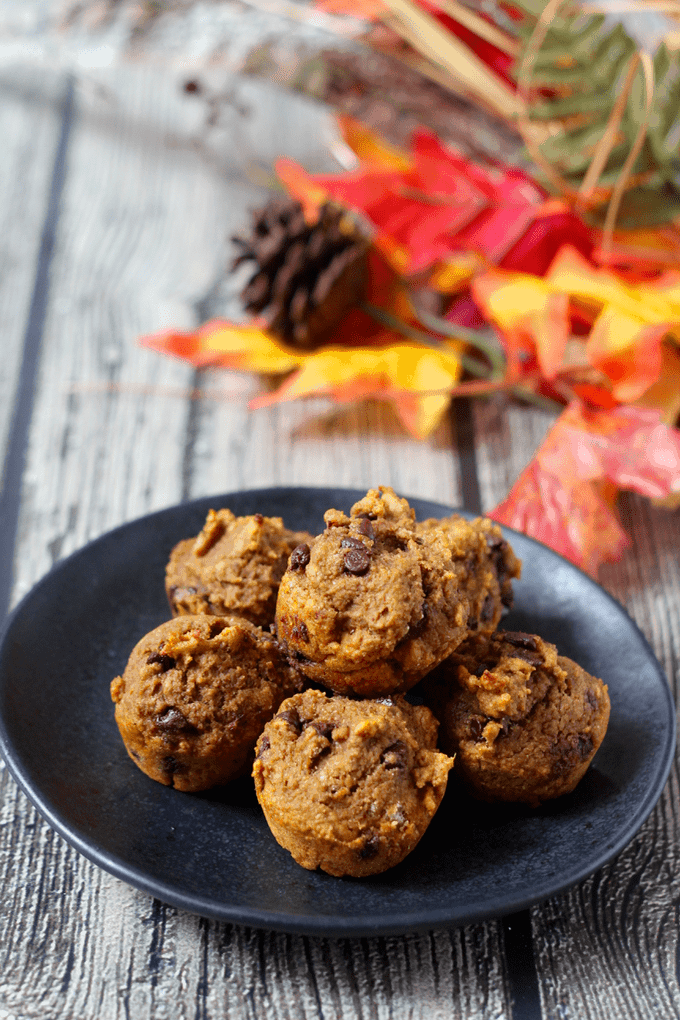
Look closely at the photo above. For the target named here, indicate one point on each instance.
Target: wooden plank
(609, 947)
(141, 243)
(29, 120)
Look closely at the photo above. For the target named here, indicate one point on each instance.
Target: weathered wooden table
(114, 221)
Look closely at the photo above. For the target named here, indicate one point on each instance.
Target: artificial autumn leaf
(225, 344)
(564, 497)
(630, 321)
(370, 148)
(415, 378)
(431, 203)
(362, 359)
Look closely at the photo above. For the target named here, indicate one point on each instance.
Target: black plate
(212, 853)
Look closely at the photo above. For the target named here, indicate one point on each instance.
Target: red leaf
(561, 498)
(435, 202)
(573, 520)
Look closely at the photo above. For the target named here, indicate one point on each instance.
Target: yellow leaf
(399, 372)
(250, 349)
(452, 276)
(219, 342)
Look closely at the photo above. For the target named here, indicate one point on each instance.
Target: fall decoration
(565, 497)
(307, 275)
(595, 93)
(477, 282)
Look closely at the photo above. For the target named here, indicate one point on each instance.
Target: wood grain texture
(29, 121)
(609, 947)
(141, 243)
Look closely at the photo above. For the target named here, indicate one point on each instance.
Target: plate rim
(322, 925)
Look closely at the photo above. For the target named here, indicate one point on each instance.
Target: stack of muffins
(298, 650)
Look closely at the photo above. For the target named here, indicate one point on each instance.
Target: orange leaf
(563, 498)
(218, 342)
(302, 186)
(370, 148)
(664, 394)
(416, 378)
(574, 519)
(626, 351)
(530, 315)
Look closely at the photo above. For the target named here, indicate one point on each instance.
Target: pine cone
(307, 276)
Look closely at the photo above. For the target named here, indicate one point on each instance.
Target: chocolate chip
(324, 729)
(569, 752)
(259, 519)
(171, 721)
(472, 623)
(369, 517)
(292, 718)
(483, 667)
(497, 548)
(171, 766)
(350, 542)
(366, 528)
(370, 848)
(299, 558)
(519, 639)
(395, 756)
(592, 700)
(299, 632)
(357, 559)
(265, 744)
(488, 609)
(533, 658)
(475, 726)
(166, 662)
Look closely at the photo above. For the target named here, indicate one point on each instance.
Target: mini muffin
(375, 602)
(524, 722)
(195, 696)
(490, 561)
(233, 567)
(349, 786)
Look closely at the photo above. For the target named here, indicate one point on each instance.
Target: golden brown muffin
(233, 567)
(372, 604)
(195, 696)
(524, 722)
(490, 576)
(349, 786)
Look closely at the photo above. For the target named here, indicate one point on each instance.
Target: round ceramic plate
(212, 853)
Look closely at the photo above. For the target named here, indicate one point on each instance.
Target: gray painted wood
(609, 947)
(141, 241)
(30, 125)
(147, 207)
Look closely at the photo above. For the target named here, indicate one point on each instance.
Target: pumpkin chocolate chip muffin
(375, 602)
(524, 721)
(349, 786)
(491, 565)
(233, 567)
(195, 696)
